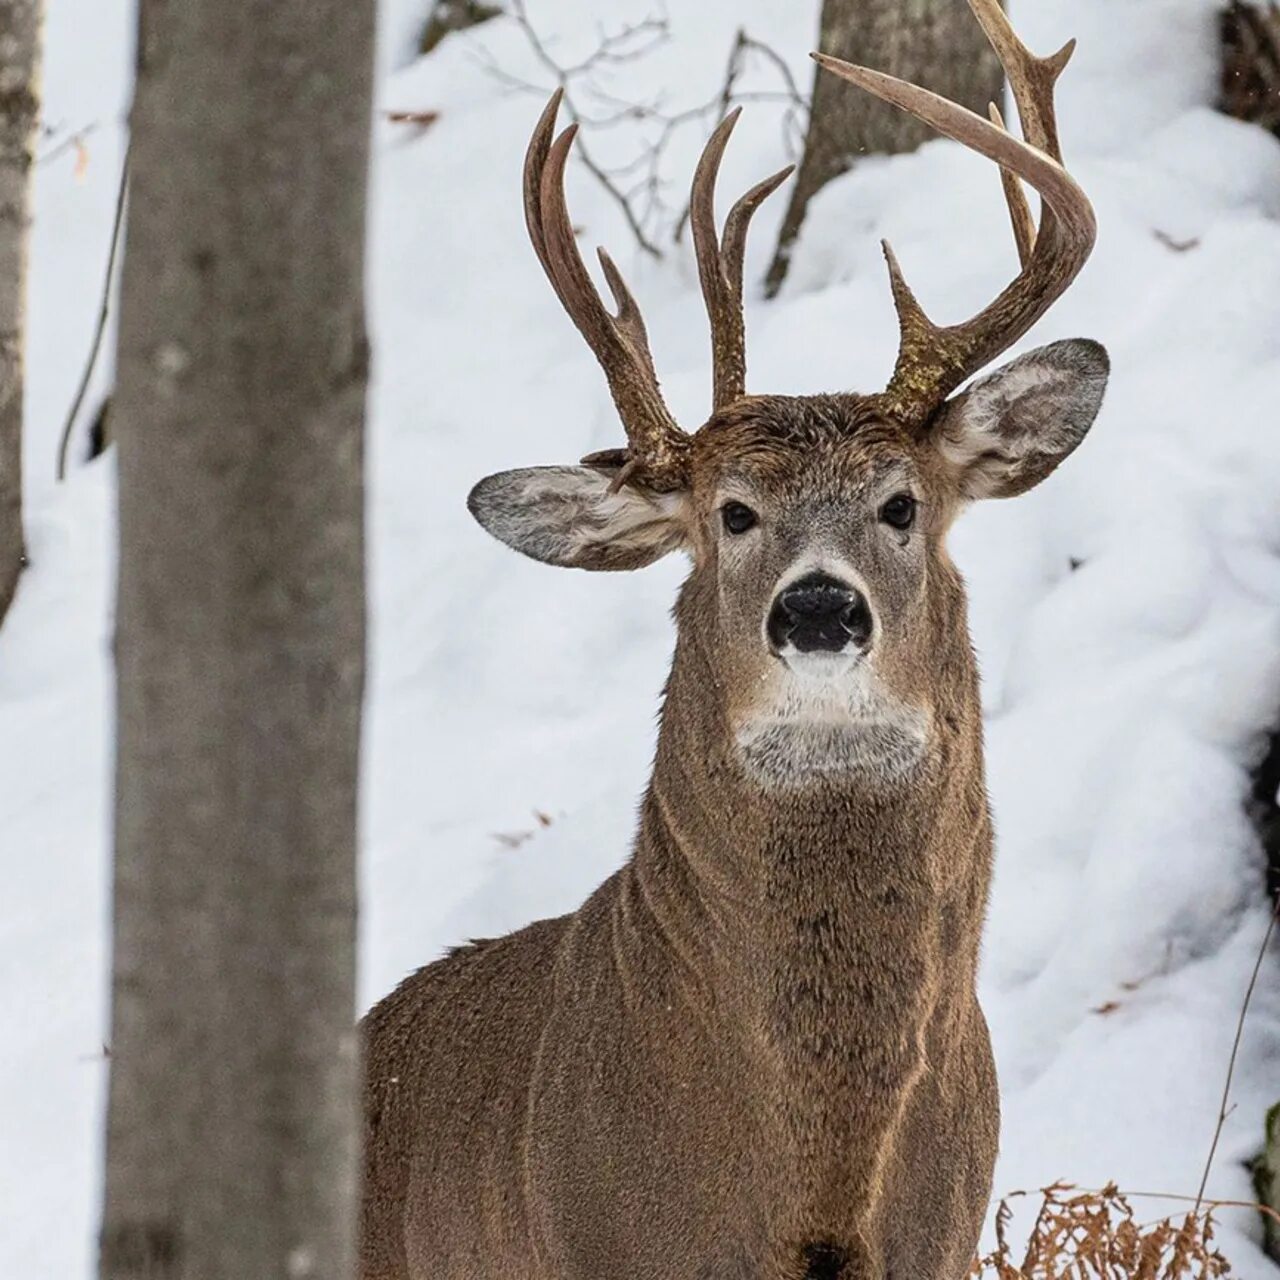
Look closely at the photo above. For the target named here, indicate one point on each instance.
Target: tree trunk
(1266, 1181)
(1250, 74)
(934, 43)
(238, 411)
(19, 107)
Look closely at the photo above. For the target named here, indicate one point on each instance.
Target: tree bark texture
(19, 109)
(238, 413)
(1266, 1182)
(934, 43)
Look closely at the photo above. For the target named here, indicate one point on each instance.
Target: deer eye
(737, 517)
(900, 511)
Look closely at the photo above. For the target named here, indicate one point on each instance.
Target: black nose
(818, 614)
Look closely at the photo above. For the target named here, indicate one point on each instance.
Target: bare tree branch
(1225, 1109)
(1250, 86)
(636, 185)
(74, 141)
(100, 326)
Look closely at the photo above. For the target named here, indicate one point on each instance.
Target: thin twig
(623, 203)
(101, 327)
(1224, 1109)
(627, 45)
(793, 90)
(1209, 1204)
(424, 119)
(606, 52)
(641, 200)
(72, 142)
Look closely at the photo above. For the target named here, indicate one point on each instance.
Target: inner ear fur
(1014, 426)
(578, 517)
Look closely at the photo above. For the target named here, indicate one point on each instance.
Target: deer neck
(786, 903)
(829, 934)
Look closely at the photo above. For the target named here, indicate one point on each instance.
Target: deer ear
(570, 516)
(1011, 429)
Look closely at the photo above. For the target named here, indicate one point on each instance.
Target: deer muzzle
(819, 614)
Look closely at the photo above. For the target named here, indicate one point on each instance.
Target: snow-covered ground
(1125, 696)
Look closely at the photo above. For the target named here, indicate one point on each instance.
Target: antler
(933, 360)
(720, 261)
(657, 446)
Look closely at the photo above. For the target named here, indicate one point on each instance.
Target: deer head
(821, 598)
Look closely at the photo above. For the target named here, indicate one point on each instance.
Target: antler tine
(535, 161)
(628, 317)
(1024, 226)
(720, 261)
(933, 360)
(620, 343)
(1032, 79)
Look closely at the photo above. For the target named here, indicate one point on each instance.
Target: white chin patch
(820, 667)
(827, 716)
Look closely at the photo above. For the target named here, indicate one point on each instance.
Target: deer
(755, 1052)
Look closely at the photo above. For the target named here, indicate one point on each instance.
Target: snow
(1125, 697)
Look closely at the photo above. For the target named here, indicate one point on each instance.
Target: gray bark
(1266, 1181)
(934, 43)
(19, 108)
(238, 413)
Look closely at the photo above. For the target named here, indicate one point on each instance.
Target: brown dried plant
(1092, 1235)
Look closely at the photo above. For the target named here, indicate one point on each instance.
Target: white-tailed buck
(755, 1052)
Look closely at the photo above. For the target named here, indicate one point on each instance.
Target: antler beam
(657, 448)
(934, 360)
(656, 444)
(720, 261)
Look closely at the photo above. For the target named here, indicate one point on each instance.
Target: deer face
(816, 524)
(821, 593)
(821, 598)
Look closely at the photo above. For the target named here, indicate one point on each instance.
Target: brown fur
(756, 1050)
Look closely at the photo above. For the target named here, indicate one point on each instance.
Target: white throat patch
(827, 715)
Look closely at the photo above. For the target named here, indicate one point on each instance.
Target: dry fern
(1092, 1235)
